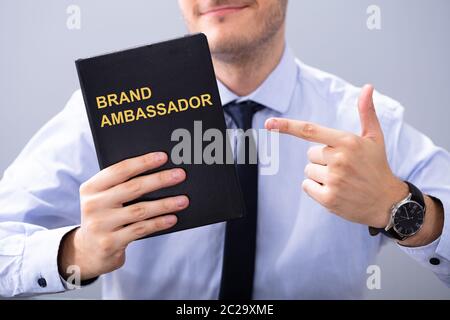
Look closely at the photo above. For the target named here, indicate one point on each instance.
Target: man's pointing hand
(350, 175)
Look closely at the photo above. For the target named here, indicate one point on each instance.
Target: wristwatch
(406, 216)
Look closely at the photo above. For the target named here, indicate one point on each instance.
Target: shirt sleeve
(415, 158)
(39, 201)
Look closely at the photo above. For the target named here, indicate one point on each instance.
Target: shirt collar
(276, 91)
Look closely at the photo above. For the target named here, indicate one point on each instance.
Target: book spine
(90, 117)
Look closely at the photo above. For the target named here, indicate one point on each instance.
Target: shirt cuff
(39, 272)
(429, 256)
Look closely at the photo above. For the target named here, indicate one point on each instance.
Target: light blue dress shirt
(303, 251)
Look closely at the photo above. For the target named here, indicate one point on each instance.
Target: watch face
(409, 218)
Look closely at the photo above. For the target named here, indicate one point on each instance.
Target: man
(311, 244)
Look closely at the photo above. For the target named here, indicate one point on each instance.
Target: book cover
(153, 98)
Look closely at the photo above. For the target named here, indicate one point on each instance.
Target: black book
(137, 98)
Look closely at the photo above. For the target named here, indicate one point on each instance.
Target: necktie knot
(242, 112)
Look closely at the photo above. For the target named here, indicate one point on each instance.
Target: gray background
(407, 59)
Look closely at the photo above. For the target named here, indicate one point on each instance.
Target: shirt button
(435, 261)
(42, 282)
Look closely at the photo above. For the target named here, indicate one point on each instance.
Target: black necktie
(240, 235)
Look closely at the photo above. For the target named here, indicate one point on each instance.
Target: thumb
(370, 125)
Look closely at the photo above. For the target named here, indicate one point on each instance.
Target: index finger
(125, 170)
(306, 130)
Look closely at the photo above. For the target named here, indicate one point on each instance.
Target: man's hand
(98, 245)
(350, 176)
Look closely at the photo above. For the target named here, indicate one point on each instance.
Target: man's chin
(220, 40)
(220, 46)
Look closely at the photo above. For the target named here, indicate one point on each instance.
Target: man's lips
(222, 10)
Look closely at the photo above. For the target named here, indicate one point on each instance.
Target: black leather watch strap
(416, 194)
(390, 233)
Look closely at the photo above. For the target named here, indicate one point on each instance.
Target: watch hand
(407, 215)
(401, 220)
